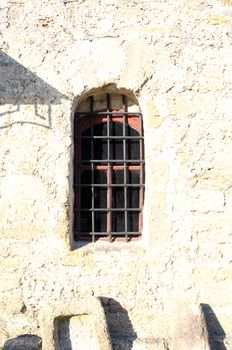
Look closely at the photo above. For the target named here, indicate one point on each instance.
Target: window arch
(108, 169)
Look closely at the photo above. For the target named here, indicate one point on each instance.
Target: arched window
(108, 169)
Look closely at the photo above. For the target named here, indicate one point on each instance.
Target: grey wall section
(174, 57)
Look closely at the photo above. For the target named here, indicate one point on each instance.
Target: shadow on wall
(24, 342)
(19, 86)
(120, 327)
(215, 332)
(62, 333)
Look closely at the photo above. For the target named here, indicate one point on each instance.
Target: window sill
(104, 245)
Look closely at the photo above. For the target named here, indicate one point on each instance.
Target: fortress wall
(175, 58)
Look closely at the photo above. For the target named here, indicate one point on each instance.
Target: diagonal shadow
(120, 327)
(214, 331)
(19, 86)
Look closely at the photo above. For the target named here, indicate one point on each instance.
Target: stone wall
(175, 58)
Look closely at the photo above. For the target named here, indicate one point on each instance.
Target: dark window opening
(108, 173)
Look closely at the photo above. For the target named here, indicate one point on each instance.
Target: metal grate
(108, 173)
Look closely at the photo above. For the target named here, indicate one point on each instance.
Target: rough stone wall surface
(175, 57)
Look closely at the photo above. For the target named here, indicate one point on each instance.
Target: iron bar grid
(113, 137)
(92, 166)
(106, 113)
(104, 210)
(124, 102)
(114, 218)
(130, 161)
(123, 233)
(112, 185)
(109, 175)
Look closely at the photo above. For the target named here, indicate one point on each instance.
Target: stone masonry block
(180, 107)
(24, 342)
(154, 117)
(157, 175)
(205, 201)
(67, 316)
